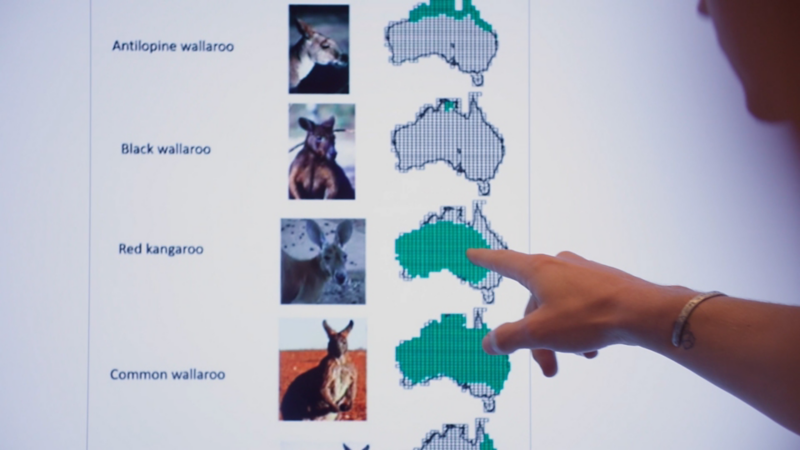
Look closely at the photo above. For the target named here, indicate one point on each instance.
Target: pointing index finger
(505, 262)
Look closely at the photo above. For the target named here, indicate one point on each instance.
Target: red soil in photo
(293, 363)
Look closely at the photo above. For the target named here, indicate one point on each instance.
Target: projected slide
(287, 212)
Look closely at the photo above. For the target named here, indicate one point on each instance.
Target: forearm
(327, 396)
(750, 349)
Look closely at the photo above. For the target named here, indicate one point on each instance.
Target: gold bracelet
(680, 324)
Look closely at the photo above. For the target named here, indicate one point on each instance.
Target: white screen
(605, 128)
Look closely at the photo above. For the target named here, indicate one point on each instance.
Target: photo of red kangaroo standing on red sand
(323, 369)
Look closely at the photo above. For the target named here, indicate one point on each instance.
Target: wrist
(647, 315)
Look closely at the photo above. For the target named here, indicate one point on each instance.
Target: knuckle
(540, 263)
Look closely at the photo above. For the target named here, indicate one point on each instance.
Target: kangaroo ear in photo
(346, 447)
(331, 332)
(344, 232)
(315, 233)
(304, 28)
(306, 124)
(328, 123)
(347, 329)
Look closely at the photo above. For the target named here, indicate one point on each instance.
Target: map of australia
(467, 142)
(441, 243)
(460, 37)
(456, 437)
(448, 349)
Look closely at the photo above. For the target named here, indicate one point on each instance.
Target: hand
(576, 305)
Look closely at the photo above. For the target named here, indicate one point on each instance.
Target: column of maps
(445, 348)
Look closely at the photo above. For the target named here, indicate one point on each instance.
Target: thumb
(512, 336)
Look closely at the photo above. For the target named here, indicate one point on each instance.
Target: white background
(643, 157)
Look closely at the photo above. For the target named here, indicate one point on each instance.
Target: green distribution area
(487, 443)
(439, 246)
(449, 106)
(450, 349)
(447, 8)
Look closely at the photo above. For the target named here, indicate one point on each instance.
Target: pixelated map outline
(463, 434)
(459, 170)
(487, 395)
(477, 76)
(487, 292)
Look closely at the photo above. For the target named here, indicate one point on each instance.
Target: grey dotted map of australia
(456, 437)
(459, 36)
(465, 141)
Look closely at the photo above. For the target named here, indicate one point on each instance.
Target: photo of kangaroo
(319, 40)
(323, 369)
(322, 152)
(323, 261)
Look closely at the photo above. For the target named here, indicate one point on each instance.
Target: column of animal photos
(322, 135)
(323, 360)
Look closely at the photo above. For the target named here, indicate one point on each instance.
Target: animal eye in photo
(325, 45)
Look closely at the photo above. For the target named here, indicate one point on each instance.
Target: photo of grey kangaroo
(314, 172)
(327, 390)
(318, 58)
(302, 281)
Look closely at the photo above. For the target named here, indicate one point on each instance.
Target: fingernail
(492, 340)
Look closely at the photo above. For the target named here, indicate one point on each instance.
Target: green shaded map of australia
(441, 243)
(448, 349)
